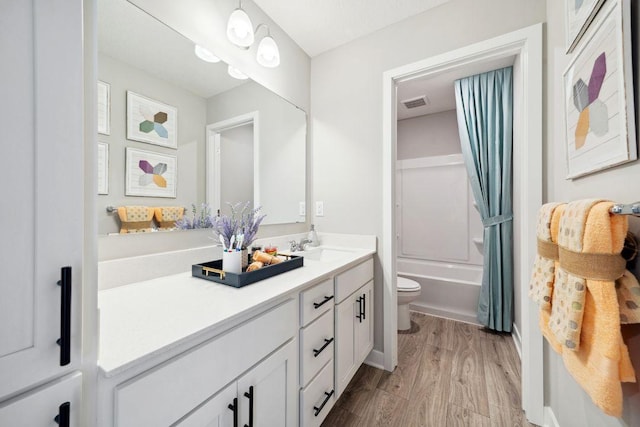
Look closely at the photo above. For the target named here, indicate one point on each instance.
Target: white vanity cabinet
(353, 322)
(264, 396)
(253, 364)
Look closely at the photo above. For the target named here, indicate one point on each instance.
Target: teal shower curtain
(484, 105)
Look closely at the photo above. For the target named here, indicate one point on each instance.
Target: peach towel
(602, 360)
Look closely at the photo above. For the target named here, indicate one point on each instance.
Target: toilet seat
(407, 285)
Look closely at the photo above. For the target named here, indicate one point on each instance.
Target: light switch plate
(302, 209)
(319, 208)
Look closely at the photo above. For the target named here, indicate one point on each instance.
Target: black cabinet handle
(317, 305)
(326, 343)
(359, 315)
(250, 396)
(364, 306)
(64, 415)
(234, 407)
(317, 409)
(65, 316)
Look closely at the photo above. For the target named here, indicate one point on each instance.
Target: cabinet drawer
(315, 301)
(317, 399)
(163, 395)
(349, 281)
(316, 346)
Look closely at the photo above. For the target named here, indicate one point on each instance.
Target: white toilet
(408, 291)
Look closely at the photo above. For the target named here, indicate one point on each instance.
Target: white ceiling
(320, 25)
(130, 35)
(439, 88)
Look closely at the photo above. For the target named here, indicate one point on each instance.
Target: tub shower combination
(439, 237)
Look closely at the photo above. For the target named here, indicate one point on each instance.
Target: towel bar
(630, 209)
(112, 209)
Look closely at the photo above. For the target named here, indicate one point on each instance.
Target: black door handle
(250, 396)
(65, 316)
(364, 306)
(234, 407)
(64, 415)
(317, 305)
(359, 315)
(317, 409)
(326, 343)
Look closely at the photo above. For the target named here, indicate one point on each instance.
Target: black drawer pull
(64, 415)
(326, 399)
(326, 343)
(250, 396)
(317, 305)
(359, 315)
(234, 407)
(364, 306)
(65, 316)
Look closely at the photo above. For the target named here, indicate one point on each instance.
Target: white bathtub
(448, 290)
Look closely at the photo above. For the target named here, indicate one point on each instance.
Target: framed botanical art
(104, 108)
(578, 16)
(150, 174)
(103, 168)
(598, 95)
(151, 121)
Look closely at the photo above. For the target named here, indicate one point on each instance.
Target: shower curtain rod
(629, 209)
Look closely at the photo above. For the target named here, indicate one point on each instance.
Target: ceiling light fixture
(240, 28)
(236, 74)
(268, 54)
(206, 55)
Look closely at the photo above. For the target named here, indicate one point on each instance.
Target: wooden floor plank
(429, 397)
(463, 417)
(502, 376)
(449, 374)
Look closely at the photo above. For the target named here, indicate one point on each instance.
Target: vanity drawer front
(164, 394)
(316, 346)
(312, 398)
(349, 281)
(315, 301)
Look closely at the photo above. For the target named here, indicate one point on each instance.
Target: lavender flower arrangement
(244, 221)
(202, 220)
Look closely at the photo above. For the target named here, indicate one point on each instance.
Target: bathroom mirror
(139, 56)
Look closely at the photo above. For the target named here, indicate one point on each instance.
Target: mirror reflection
(221, 139)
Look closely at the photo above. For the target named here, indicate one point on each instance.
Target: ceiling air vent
(420, 101)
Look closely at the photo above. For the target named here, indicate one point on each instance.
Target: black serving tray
(212, 270)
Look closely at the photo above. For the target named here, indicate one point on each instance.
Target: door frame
(212, 156)
(526, 46)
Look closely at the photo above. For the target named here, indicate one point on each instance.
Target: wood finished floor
(449, 374)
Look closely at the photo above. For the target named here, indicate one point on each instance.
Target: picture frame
(104, 107)
(150, 174)
(578, 16)
(598, 95)
(151, 121)
(103, 168)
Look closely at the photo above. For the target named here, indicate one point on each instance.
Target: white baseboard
(550, 418)
(447, 314)
(375, 359)
(517, 340)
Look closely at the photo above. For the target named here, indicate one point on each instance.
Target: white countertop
(144, 319)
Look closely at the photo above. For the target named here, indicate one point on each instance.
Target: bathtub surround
(484, 104)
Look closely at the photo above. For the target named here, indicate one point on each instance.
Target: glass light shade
(206, 55)
(236, 74)
(268, 54)
(240, 28)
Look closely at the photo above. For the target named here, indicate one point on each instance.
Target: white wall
(571, 406)
(191, 134)
(430, 135)
(346, 106)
